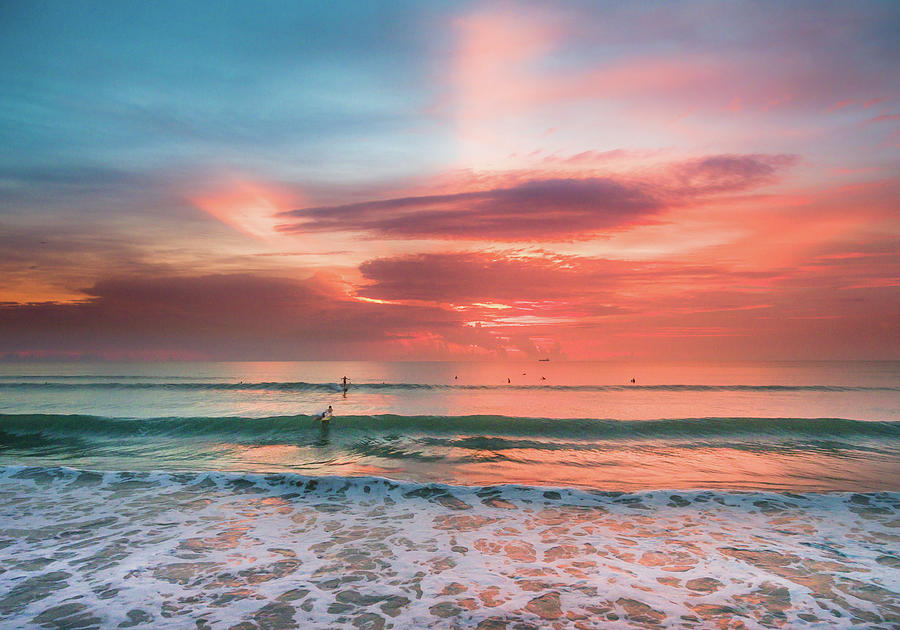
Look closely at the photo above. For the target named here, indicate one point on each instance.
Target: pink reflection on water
(618, 468)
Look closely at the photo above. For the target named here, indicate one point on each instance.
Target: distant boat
(543, 359)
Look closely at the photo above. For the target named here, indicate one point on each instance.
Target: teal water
(450, 495)
(762, 426)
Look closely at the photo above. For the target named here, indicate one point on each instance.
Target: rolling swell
(300, 386)
(280, 428)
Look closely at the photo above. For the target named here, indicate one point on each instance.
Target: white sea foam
(150, 550)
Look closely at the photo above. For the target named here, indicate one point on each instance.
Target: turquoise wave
(286, 427)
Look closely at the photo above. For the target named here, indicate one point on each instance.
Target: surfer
(324, 419)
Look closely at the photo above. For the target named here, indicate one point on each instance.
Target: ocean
(450, 495)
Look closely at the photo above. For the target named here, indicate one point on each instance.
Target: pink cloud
(873, 102)
(730, 173)
(884, 118)
(247, 206)
(539, 209)
(467, 277)
(594, 306)
(473, 304)
(492, 66)
(840, 105)
(215, 316)
(517, 70)
(544, 209)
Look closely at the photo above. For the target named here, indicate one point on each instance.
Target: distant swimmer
(632, 380)
(543, 378)
(508, 381)
(325, 416)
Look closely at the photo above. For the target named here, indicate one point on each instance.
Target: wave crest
(286, 427)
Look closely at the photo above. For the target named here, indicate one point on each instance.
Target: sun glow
(248, 207)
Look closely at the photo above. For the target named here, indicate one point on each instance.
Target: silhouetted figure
(632, 381)
(508, 381)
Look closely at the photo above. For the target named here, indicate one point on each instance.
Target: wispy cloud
(543, 209)
(540, 209)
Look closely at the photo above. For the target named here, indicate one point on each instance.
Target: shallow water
(207, 495)
(83, 549)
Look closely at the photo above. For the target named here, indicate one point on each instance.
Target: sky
(446, 181)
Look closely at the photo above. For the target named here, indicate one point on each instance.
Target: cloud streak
(542, 209)
(552, 208)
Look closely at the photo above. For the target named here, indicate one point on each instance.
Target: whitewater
(513, 495)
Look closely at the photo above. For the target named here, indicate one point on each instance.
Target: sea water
(492, 495)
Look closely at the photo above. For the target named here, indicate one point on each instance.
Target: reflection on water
(825, 426)
(309, 552)
(613, 465)
(470, 460)
(451, 398)
(324, 432)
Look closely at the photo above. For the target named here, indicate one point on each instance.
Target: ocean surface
(450, 495)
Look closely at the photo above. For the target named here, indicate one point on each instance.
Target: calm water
(450, 495)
